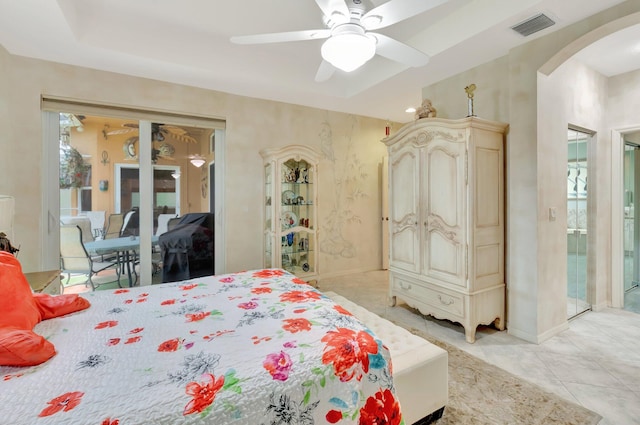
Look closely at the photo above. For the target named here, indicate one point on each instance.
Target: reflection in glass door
(577, 223)
(631, 229)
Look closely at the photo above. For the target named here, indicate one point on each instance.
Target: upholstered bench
(420, 368)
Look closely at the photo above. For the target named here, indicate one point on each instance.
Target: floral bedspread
(256, 347)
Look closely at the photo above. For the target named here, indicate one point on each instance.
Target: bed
(256, 347)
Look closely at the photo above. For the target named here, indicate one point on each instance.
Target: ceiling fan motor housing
(357, 8)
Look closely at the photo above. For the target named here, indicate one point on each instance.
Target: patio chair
(173, 222)
(74, 258)
(163, 227)
(114, 226)
(97, 223)
(163, 223)
(81, 221)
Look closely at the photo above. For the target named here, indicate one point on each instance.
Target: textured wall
(508, 91)
(349, 191)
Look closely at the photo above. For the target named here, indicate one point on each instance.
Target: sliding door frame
(50, 215)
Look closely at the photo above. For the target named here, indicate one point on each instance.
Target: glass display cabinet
(290, 217)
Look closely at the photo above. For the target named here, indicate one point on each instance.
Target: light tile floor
(595, 363)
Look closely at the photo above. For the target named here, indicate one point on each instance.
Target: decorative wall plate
(289, 219)
(129, 148)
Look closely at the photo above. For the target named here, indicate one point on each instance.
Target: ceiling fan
(350, 42)
(158, 132)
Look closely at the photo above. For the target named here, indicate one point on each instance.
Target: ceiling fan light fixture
(176, 174)
(348, 48)
(197, 161)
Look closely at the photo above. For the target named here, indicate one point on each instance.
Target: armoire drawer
(424, 294)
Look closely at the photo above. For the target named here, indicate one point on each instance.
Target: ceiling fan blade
(325, 71)
(395, 11)
(280, 37)
(393, 49)
(120, 131)
(333, 9)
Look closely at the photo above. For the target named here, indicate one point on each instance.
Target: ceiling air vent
(533, 25)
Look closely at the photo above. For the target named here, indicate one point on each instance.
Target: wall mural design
(347, 175)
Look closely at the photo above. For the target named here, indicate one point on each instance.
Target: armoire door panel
(444, 194)
(443, 171)
(404, 253)
(444, 258)
(403, 206)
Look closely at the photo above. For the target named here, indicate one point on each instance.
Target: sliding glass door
(631, 230)
(117, 166)
(577, 235)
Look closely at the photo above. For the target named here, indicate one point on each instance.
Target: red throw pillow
(22, 310)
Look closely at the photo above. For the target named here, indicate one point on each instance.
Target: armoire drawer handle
(405, 286)
(449, 302)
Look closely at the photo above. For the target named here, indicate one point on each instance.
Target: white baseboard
(539, 338)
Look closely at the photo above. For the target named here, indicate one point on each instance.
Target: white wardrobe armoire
(446, 213)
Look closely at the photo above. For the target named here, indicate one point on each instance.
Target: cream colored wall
(491, 100)
(350, 191)
(624, 100)
(534, 266)
(572, 95)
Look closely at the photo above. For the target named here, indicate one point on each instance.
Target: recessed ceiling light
(410, 110)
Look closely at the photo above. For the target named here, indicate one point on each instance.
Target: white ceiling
(187, 42)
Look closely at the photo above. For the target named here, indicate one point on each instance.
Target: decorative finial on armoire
(469, 90)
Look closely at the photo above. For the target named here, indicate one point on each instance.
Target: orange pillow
(22, 310)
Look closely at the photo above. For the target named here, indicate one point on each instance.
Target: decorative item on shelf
(387, 129)
(197, 161)
(287, 197)
(469, 90)
(103, 185)
(290, 176)
(290, 238)
(105, 158)
(299, 201)
(305, 267)
(289, 219)
(426, 110)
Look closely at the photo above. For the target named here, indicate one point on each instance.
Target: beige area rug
(483, 394)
